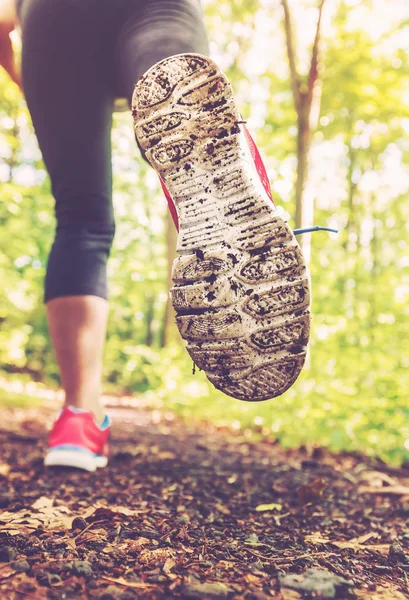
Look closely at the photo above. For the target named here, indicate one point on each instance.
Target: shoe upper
(76, 429)
(258, 162)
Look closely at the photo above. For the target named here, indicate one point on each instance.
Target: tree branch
(295, 78)
(313, 72)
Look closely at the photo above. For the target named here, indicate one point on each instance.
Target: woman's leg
(157, 30)
(71, 109)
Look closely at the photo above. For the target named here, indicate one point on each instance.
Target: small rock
(397, 554)
(315, 583)
(79, 523)
(82, 568)
(7, 554)
(205, 590)
(53, 579)
(21, 566)
(111, 593)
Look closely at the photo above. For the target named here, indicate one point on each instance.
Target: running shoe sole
(241, 289)
(77, 458)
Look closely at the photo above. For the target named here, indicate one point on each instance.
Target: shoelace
(312, 229)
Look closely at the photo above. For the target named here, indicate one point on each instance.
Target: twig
(129, 584)
(395, 490)
(331, 567)
(259, 555)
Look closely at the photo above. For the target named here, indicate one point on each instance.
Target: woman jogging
(240, 285)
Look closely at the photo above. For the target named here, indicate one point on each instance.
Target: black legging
(78, 56)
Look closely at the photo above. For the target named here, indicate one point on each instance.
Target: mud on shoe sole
(241, 290)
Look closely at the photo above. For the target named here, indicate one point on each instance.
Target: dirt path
(188, 513)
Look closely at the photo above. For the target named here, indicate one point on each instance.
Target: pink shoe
(241, 291)
(77, 441)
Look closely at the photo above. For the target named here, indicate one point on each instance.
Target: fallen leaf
(166, 456)
(377, 478)
(154, 557)
(43, 502)
(7, 575)
(169, 564)
(92, 535)
(353, 544)
(4, 469)
(223, 509)
(139, 542)
(250, 578)
(265, 507)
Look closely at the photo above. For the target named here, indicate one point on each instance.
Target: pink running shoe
(77, 441)
(241, 290)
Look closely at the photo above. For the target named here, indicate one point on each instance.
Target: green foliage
(353, 392)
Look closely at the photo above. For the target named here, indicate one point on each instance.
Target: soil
(187, 511)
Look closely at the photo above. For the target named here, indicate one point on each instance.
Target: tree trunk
(303, 146)
(307, 105)
(150, 313)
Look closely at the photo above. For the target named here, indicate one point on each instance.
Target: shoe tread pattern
(241, 290)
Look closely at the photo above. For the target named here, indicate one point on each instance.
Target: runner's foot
(240, 290)
(77, 441)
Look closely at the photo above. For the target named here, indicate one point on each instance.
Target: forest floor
(189, 511)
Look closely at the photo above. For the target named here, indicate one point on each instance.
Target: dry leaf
(168, 566)
(377, 478)
(7, 575)
(55, 518)
(353, 544)
(265, 507)
(43, 502)
(166, 456)
(250, 578)
(154, 557)
(223, 509)
(4, 469)
(71, 542)
(91, 535)
(140, 542)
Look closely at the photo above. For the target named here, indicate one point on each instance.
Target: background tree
(307, 98)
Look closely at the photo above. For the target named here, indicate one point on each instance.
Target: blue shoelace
(312, 229)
